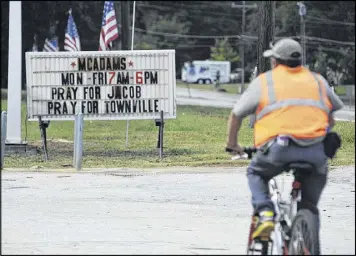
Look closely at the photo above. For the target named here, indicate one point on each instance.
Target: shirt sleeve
(335, 100)
(249, 100)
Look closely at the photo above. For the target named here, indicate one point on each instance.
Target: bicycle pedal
(255, 250)
(263, 239)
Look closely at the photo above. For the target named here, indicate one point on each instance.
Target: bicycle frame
(277, 234)
(285, 213)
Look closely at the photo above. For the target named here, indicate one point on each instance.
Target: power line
(239, 37)
(196, 4)
(213, 3)
(327, 21)
(199, 10)
(200, 5)
(309, 46)
(320, 26)
(309, 38)
(330, 40)
(326, 49)
(185, 35)
(174, 6)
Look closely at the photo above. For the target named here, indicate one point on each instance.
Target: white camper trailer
(204, 71)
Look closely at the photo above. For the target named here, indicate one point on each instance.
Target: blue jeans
(263, 167)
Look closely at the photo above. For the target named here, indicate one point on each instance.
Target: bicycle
(291, 219)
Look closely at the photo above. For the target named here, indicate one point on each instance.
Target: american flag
(71, 40)
(51, 45)
(109, 31)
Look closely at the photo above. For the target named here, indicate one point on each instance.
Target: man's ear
(273, 62)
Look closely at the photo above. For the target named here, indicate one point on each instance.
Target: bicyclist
(293, 108)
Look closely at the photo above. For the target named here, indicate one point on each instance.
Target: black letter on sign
(54, 92)
(49, 107)
(81, 64)
(138, 92)
(123, 63)
(154, 77)
(112, 93)
(65, 79)
(89, 67)
(102, 63)
(116, 64)
(156, 105)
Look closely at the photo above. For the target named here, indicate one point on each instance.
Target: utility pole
(243, 48)
(125, 28)
(242, 44)
(302, 12)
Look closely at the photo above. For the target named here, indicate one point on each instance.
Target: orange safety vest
(293, 102)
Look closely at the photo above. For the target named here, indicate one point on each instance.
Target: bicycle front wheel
(304, 239)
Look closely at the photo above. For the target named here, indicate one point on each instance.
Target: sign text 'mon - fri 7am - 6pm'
(118, 92)
(111, 77)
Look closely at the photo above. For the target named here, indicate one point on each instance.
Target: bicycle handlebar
(248, 150)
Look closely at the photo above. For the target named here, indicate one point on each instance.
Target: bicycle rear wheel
(304, 234)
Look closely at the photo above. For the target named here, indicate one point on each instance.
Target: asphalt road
(155, 211)
(225, 100)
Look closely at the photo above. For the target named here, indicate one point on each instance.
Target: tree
(266, 10)
(160, 30)
(223, 51)
(338, 67)
(189, 27)
(347, 62)
(319, 62)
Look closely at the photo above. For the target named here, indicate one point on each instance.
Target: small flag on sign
(35, 45)
(51, 45)
(71, 40)
(109, 31)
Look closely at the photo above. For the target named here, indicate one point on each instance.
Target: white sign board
(112, 85)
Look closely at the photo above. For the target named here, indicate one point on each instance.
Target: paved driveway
(155, 211)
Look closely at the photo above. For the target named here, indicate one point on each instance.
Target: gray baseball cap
(284, 49)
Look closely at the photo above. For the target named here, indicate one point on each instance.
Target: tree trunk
(125, 21)
(266, 11)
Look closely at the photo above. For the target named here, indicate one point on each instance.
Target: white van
(204, 71)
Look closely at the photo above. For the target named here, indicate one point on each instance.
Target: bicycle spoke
(301, 242)
(306, 239)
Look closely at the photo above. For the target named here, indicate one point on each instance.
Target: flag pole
(133, 25)
(132, 46)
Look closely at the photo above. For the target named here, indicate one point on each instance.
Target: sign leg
(161, 136)
(3, 136)
(43, 126)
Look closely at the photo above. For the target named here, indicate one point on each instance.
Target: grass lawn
(340, 90)
(230, 88)
(233, 88)
(196, 138)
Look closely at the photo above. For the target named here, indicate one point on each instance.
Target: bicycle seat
(305, 166)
